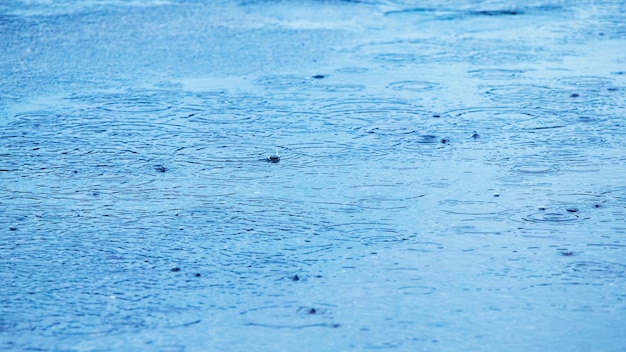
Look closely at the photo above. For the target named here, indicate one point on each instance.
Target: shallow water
(450, 175)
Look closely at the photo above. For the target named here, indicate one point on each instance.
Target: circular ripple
(282, 81)
(417, 290)
(495, 73)
(551, 216)
(404, 52)
(414, 86)
(535, 168)
(140, 104)
(471, 207)
(558, 99)
(587, 81)
(366, 112)
(599, 269)
(383, 239)
(559, 214)
(518, 93)
(289, 316)
(35, 119)
(394, 57)
(539, 233)
(337, 87)
(503, 118)
(352, 70)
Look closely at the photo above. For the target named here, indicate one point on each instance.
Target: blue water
(451, 175)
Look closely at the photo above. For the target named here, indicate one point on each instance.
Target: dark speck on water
(175, 269)
(273, 158)
(160, 168)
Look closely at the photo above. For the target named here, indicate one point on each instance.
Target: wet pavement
(312, 175)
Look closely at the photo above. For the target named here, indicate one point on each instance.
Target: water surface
(450, 175)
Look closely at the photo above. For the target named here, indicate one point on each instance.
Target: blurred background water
(451, 175)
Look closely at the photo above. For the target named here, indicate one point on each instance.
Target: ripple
(599, 269)
(518, 93)
(366, 105)
(352, 70)
(513, 119)
(362, 113)
(35, 119)
(558, 99)
(414, 86)
(207, 114)
(131, 103)
(383, 239)
(404, 52)
(338, 87)
(290, 316)
(417, 290)
(587, 82)
(282, 81)
(394, 57)
(495, 73)
(535, 168)
(551, 216)
(471, 207)
(428, 139)
(539, 233)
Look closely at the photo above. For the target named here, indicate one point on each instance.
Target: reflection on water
(450, 176)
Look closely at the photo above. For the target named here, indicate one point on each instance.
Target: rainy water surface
(313, 175)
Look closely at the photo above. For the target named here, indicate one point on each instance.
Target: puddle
(314, 175)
